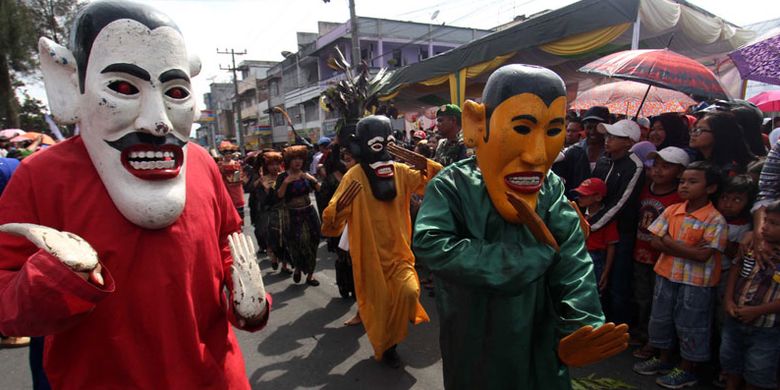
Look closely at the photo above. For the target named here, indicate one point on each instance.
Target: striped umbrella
(626, 96)
(661, 68)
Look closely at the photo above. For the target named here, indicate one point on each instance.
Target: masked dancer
(514, 284)
(128, 248)
(373, 199)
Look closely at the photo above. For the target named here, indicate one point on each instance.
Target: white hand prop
(69, 248)
(248, 289)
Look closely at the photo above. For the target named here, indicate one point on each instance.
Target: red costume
(162, 287)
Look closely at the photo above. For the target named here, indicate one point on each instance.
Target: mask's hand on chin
(69, 248)
(530, 219)
(248, 290)
(415, 160)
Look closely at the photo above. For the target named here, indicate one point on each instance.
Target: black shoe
(313, 282)
(286, 270)
(391, 358)
(274, 265)
(297, 276)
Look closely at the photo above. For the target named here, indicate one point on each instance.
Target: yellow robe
(386, 283)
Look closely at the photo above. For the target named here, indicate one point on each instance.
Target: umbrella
(760, 59)
(767, 101)
(11, 133)
(626, 96)
(661, 68)
(31, 136)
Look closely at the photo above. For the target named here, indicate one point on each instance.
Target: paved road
(305, 345)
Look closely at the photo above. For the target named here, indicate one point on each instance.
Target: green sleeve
(571, 279)
(443, 244)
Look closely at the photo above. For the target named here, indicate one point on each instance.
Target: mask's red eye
(177, 93)
(123, 87)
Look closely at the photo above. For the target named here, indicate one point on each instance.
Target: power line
(237, 102)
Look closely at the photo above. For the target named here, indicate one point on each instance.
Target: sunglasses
(698, 130)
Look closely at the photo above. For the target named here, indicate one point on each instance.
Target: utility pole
(355, 41)
(237, 101)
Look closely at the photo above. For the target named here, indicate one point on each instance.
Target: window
(311, 110)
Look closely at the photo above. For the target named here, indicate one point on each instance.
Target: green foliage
(53, 18)
(590, 382)
(355, 95)
(31, 115)
(17, 38)
(21, 23)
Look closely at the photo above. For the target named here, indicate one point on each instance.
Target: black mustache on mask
(136, 138)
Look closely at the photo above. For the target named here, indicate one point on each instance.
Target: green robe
(504, 300)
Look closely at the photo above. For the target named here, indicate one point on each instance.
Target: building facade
(296, 82)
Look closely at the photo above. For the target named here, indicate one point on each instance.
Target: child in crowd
(601, 242)
(691, 237)
(661, 192)
(750, 346)
(734, 202)
(623, 172)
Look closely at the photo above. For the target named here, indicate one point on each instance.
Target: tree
(21, 23)
(17, 42)
(52, 18)
(32, 115)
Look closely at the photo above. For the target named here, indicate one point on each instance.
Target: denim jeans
(682, 313)
(750, 351)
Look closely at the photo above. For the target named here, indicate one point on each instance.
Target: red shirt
(599, 239)
(651, 205)
(231, 175)
(162, 320)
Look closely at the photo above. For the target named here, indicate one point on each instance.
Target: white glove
(248, 289)
(69, 248)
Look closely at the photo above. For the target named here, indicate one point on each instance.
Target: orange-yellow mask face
(518, 147)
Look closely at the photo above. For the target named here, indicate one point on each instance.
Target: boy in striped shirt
(750, 346)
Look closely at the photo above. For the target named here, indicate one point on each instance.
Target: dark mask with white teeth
(371, 138)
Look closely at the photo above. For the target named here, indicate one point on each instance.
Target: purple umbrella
(760, 60)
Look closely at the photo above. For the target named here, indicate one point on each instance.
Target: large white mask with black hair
(135, 111)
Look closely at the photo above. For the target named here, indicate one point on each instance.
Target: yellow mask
(519, 146)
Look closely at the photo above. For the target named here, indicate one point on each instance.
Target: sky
(265, 28)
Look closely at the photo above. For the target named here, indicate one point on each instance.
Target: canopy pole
(643, 102)
(636, 32)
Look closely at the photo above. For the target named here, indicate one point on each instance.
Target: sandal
(354, 320)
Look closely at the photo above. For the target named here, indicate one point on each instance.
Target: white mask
(135, 115)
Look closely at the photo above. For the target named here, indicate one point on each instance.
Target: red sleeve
(611, 235)
(46, 297)
(38, 294)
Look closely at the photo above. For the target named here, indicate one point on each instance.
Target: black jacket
(624, 178)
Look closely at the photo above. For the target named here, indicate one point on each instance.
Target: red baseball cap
(592, 186)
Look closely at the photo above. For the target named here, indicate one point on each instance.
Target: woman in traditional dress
(270, 210)
(301, 224)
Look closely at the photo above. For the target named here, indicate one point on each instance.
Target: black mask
(371, 138)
